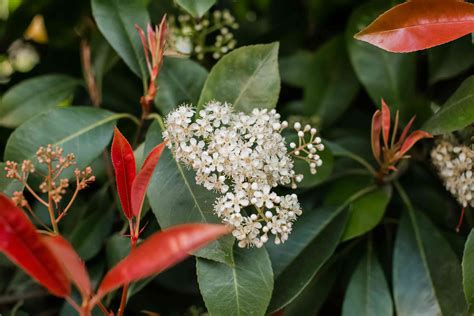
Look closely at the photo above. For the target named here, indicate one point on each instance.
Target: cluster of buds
(189, 36)
(389, 151)
(154, 47)
(454, 163)
(242, 157)
(52, 185)
(307, 149)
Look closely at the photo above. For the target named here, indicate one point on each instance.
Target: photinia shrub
(237, 158)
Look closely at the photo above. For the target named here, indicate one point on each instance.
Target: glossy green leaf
(456, 113)
(449, 60)
(247, 77)
(332, 84)
(33, 96)
(295, 69)
(180, 81)
(196, 8)
(366, 212)
(244, 288)
(8, 186)
(175, 198)
(368, 293)
(89, 235)
(84, 131)
(426, 272)
(468, 270)
(103, 58)
(383, 74)
(116, 20)
(314, 238)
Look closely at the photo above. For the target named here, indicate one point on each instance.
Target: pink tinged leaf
(376, 131)
(22, 244)
(419, 24)
(405, 131)
(71, 262)
(123, 160)
(412, 140)
(385, 122)
(159, 252)
(142, 179)
(145, 47)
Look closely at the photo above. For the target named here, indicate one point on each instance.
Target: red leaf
(20, 242)
(406, 130)
(159, 252)
(376, 131)
(142, 179)
(71, 262)
(419, 24)
(412, 140)
(385, 122)
(123, 160)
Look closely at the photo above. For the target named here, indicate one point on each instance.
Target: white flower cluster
(242, 157)
(454, 163)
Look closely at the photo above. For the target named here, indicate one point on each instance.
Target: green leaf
(89, 235)
(456, 113)
(33, 96)
(103, 58)
(383, 74)
(449, 60)
(175, 198)
(366, 212)
(426, 272)
(468, 270)
(242, 289)
(8, 186)
(180, 81)
(84, 131)
(368, 293)
(314, 238)
(295, 68)
(332, 84)
(116, 20)
(196, 8)
(248, 78)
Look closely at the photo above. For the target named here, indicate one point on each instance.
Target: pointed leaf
(20, 242)
(116, 20)
(412, 139)
(84, 131)
(385, 122)
(34, 96)
(468, 270)
(72, 264)
(456, 113)
(159, 252)
(314, 239)
(405, 131)
(140, 184)
(123, 161)
(376, 131)
(244, 288)
(196, 8)
(247, 77)
(421, 24)
(175, 198)
(368, 293)
(426, 271)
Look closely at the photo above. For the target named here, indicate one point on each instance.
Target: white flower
(241, 156)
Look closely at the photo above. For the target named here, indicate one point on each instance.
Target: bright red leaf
(142, 179)
(159, 252)
(20, 242)
(412, 140)
(123, 160)
(419, 24)
(71, 262)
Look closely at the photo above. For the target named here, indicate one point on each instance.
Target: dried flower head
(454, 163)
(243, 157)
